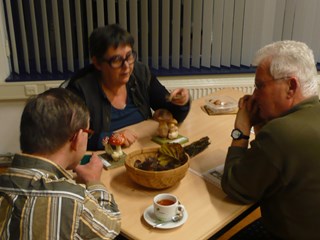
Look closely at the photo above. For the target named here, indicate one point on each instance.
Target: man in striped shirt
(39, 199)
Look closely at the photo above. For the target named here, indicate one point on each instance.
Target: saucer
(151, 219)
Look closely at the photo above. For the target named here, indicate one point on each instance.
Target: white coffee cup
(166, 206)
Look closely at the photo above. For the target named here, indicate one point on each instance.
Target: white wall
(13, 97)
(10, 113)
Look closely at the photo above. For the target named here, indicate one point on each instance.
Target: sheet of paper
(207, 167)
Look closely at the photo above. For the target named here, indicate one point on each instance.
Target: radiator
(198, 92)
(202, 87)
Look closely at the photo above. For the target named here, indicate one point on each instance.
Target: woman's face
(116, 74)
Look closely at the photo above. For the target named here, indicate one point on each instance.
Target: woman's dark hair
(102, 38)
(50, 119)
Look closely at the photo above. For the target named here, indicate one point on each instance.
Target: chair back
(79, 74)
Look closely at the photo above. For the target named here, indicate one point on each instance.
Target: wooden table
(208, 207)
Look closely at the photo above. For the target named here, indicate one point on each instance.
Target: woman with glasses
(119, 90)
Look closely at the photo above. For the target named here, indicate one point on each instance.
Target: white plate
(151, 219)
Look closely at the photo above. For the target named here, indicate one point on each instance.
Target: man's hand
(255, 120)
(90, 172)
(247, 109)
(244, 115)
(248, 116)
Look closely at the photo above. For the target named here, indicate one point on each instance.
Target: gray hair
(291, 58)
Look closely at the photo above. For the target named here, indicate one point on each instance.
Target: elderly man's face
(270, 94)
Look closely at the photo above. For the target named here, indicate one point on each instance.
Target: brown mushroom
(173, 121)
(162, 115)
(163, 129)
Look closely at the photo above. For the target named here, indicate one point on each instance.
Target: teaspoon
(175, 218)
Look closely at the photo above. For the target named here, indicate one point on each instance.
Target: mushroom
(163, 129)
(116, 139)
(107, 148)
(173, 122)
(173, 129)
(162, 115)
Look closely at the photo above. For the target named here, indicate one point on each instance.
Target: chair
(79, 74)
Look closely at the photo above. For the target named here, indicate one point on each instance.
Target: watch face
(236, 134)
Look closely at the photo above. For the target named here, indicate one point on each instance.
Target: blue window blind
(48, 39)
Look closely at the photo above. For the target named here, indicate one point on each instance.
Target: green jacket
(281, 171)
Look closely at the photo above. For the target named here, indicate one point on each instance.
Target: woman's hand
(179, 96)
(130, 137)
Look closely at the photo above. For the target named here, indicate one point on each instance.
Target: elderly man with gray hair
(280, 169)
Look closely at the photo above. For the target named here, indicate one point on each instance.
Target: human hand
(179, 96)
(255, 119)
(90, 172)
(247, 113)
(130, 137)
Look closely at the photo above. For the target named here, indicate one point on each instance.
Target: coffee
(166, 206)
(165, 202)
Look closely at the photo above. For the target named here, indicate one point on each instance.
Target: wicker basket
(153, 179)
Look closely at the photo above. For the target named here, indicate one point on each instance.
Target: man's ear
(75, 141)
(293, 85)
(96, 63)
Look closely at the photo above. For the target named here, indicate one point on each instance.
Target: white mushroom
(173, 129)
(107, 147)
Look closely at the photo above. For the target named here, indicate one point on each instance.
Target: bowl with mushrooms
(157, 168)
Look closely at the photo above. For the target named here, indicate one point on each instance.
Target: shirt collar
(28, 161)
(308, 102)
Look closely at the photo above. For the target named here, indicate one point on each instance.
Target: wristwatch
(236, 134)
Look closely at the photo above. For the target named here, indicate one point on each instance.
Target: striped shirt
(40, 200)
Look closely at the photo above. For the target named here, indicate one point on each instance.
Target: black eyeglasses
(118, 61)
